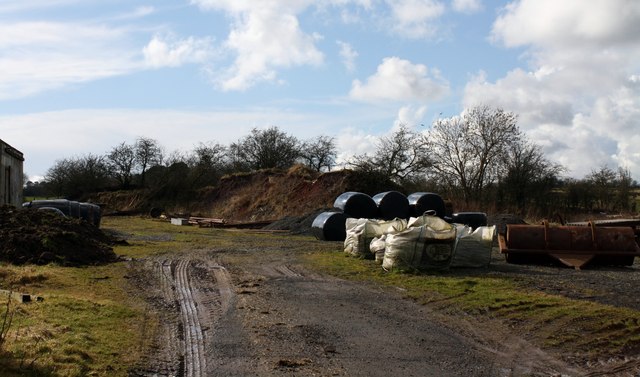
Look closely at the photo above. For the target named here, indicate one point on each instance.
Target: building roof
(11, 151)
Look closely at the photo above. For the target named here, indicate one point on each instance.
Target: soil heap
(41, 237)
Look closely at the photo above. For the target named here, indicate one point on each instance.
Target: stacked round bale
(89, 212)
(389, 205)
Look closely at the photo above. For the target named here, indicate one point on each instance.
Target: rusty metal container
(574, 246)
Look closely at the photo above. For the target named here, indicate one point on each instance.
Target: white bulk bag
(360, 232)
(377, 247)
(473, 247)
(421, 247)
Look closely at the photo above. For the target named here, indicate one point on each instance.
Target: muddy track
(194, 352)
(192, 296)
(259, 312)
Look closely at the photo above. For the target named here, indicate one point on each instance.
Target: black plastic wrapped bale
(97, 215)
(329, 226)
(473, 219)
(51, 210)
(420, 202)
(357, 205)
(74, 209)
(91, 213)
(391, 205)
(61, 204)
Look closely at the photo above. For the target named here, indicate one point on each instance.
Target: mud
(41, 237)
(255, 310)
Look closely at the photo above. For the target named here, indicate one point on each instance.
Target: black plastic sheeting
(473, 219)
(89, 212)
(391, 205)
(356, 205)
(330, 226)
(420, 202)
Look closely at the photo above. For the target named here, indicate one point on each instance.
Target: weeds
(7, 319)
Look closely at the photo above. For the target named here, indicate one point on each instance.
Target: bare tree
(147, 154)
(611, 189)
(468, 150)
(122, 162)
(529, 177)
(264, 149)
(624, 191)
(208, 163)
(319, 153)
(401, 157)
(75, 177)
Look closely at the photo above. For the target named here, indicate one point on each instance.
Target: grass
(72, 332)
(571, 327)
(89, 324)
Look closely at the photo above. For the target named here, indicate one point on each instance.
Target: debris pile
(41, 237)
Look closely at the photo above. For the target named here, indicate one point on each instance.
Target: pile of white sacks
(421, 243)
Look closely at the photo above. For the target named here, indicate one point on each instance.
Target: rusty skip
(573, 245)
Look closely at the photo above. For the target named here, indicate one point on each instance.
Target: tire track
(287, 271)
(202, 293)
(224, 285)
(194, 345)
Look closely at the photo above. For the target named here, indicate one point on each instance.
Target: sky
(82, 76)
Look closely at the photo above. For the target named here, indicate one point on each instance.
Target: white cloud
(265, 37)
(467, 6)
(348, 55)
(400, 80)
(353, 142)
(415, 18)
(409, 116)
(578, 99)
(169, 52)
(39, 56)
(568, 22)
(139, 12)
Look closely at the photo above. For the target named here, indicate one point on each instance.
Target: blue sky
(81, 76)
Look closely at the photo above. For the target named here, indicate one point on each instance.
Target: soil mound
(296, 224)
(41, 237)
(263, 195)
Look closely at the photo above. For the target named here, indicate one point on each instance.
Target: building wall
(11, 173)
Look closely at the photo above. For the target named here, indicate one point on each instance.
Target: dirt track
(254, 310)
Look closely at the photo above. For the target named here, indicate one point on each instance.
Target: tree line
(479, 160)
(146, 164)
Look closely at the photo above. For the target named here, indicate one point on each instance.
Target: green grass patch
(87, 324)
